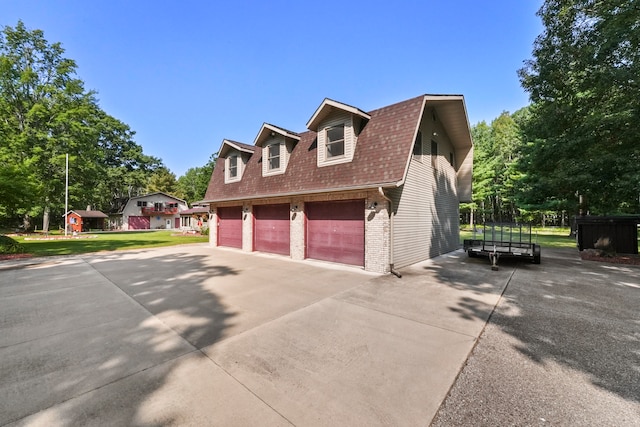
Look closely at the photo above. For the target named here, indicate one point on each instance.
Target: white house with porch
(153, 211)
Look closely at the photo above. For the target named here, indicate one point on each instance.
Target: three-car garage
(333, 230)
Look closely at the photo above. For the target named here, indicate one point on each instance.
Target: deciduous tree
(46, 113)
(583, 80)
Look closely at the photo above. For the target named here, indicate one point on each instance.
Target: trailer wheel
(472, 254)
(536, 254)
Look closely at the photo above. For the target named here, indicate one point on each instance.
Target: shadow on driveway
(67, 333)
(580, 316)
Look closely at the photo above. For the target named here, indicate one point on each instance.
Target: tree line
(578, 140)
(45, 114)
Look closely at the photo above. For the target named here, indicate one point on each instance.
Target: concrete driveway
(194, 335)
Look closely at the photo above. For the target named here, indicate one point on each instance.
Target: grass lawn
(549, 237)
(108, 241)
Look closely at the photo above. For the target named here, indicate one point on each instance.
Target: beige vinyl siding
(426, 222)
(349, 139)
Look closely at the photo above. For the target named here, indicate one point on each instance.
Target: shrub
(10, 246)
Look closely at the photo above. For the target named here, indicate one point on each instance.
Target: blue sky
(187, 74)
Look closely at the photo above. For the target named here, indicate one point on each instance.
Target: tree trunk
(26, 223)
(45, 219)
(471, 219)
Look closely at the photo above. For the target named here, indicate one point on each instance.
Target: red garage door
(335, 231)
(230, 227)
(139, 223)
(272, 229)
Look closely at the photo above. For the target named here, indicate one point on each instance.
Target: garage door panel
(335, 231)
(272, 229)
(230, 227)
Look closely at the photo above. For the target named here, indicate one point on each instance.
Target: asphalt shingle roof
(380, 159)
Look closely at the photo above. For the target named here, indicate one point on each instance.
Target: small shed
(85, 220)
(622, 232)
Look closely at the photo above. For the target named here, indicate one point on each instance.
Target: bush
(10, 246)
(204, 231)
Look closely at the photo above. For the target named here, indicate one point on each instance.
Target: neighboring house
(152, 211)
(85, 220)
(195, 218)
(378, 189)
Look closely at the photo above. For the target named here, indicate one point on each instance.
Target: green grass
(549, 237)
(111, 241)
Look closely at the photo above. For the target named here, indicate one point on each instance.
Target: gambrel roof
(381, 157)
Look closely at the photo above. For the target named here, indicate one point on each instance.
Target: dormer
(235, 155)
(276, 144)
(338, 126)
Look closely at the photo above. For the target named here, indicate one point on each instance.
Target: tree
(192, 186)
(162, 180)
(583, 128)
(45, 113)
(495, 175)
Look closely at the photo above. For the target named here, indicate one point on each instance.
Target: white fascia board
(327, 104)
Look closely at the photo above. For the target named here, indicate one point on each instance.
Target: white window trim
(227, 170)
(337, 141)
(349, 142)
(266, 170)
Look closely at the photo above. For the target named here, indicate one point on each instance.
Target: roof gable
(268, 131)
(229, 145)
(328, 107)
(155, 193)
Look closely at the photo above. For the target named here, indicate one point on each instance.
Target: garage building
(379, 189)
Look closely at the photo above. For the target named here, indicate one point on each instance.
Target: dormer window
(233, 166)
(337, 126)
(235, 155)
(277, 145)
(335, 141)
(274, 157)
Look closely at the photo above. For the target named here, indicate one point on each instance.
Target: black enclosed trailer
(504, 240)
(621, 232)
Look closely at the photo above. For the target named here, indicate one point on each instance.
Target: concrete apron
(201, 336)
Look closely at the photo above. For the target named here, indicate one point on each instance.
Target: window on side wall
(434, 154)
(335, 141)
(417, 147)
(274, 157)
(451, 159)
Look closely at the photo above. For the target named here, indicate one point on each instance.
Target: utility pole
(66, 193)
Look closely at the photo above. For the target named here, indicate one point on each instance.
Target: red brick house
(378, 189)
(85, 220)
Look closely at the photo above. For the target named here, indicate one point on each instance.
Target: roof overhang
(327, 107)
(228, 145)
(452, 112)
(268, 131)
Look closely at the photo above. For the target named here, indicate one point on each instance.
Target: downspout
(391, 269)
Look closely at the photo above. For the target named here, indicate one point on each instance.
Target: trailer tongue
(504, 240)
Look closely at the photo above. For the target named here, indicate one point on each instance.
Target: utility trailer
(504, 240)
